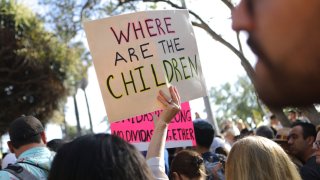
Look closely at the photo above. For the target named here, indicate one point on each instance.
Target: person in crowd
(99, 157)
(265, 131)
(281, 138)
(287, 71)
(256, 157)
(55, 144)
(155, 153)
(244, 133)
(292, 116)
(231, 135)
(27, 142)
(188, 164)
(275, 123)
(300, 140)
(204, 133)
(104, 156)
(219, 146)
(316, 147)
(240, 125)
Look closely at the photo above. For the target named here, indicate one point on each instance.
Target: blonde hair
(254, 157)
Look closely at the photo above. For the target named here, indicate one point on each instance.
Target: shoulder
(310, 170)
(4, 175)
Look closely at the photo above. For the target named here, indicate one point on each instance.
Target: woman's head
(257, 157)
(187, 164)
(100, 156)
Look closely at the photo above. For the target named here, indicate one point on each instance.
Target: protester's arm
(155, 154)
(156, 146)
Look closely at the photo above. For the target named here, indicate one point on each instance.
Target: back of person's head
(55, 144)
(308, 128)
(99, 157)
(189, 164)
(25, 130)
(265, 131)
(222, 150)
(204, 133)
(255, 157)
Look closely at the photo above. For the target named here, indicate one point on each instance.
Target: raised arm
(155, 154)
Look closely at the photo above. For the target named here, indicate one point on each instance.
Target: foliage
(237, 101)
(66, 16)
(37, 71)
(72, 132)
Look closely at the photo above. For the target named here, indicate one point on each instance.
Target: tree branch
(228, 4)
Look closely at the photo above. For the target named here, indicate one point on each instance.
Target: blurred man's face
(297, 144)
(292, 116)
(285, 35)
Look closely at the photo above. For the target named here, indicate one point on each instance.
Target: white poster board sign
(135, 55)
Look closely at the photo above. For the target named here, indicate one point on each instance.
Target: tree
(237, 101)
(37, 71)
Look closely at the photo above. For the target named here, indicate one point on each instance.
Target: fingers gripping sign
(171, 104)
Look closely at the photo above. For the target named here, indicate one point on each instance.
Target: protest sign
(136, 55)
(138, 130)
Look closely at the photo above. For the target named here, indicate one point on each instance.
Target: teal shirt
(40, 156)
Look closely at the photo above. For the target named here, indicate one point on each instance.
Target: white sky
(219, 66)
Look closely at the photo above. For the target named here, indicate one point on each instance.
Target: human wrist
(162, 123)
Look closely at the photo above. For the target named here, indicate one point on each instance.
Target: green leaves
(37, 70)
(236, 101)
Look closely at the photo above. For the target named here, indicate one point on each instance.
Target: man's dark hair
(204, 133)
(25, 130)
(308, 128)
(265, 131)
(273, 116)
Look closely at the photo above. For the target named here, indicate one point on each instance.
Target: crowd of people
(285, 37)
(252, 155)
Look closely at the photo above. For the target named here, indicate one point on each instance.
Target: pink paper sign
(138, 130)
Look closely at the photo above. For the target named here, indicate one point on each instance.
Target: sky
(218, 63)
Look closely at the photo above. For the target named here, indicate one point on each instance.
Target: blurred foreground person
(287, 70)
(258, 158)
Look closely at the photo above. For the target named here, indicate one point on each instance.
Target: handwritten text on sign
(136, 55)
(139, 129)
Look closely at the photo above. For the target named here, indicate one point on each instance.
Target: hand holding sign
(172, 104)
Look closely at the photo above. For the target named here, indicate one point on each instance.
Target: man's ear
(310, 140)
(43, 137)
(11, 148)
